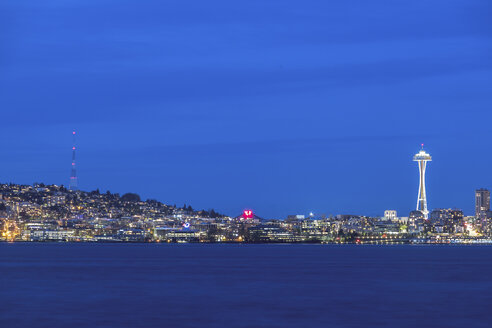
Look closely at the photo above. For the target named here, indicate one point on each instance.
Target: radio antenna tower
(73, 175)
(422, 158)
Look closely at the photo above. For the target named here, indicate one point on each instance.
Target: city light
(248, 214)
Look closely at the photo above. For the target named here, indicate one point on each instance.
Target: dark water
(155, 285)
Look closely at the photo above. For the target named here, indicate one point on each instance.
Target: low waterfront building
(51, 235)
(176, 235)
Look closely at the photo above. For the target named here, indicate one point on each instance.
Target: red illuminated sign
(248, 214)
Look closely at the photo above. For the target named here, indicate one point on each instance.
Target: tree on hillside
(130, 197)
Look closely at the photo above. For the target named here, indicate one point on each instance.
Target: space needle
(422, 158)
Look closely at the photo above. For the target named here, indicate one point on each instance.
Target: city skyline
(46, 213)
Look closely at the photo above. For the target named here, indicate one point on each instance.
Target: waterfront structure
(482, 202)
(422, 158)
(73, 175)
(176, 235)
(272, 233)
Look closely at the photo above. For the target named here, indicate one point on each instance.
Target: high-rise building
(422, 158)
(482, 202)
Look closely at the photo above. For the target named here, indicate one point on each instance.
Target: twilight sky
(284, 107)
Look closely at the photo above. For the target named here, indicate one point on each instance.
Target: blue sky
(279, 106)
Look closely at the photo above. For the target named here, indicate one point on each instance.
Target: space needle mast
(422, 158)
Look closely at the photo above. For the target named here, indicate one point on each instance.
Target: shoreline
(430, 243)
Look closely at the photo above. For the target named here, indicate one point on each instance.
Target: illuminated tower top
(422, 156)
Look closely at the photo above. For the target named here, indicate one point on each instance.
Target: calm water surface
(157, 285)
